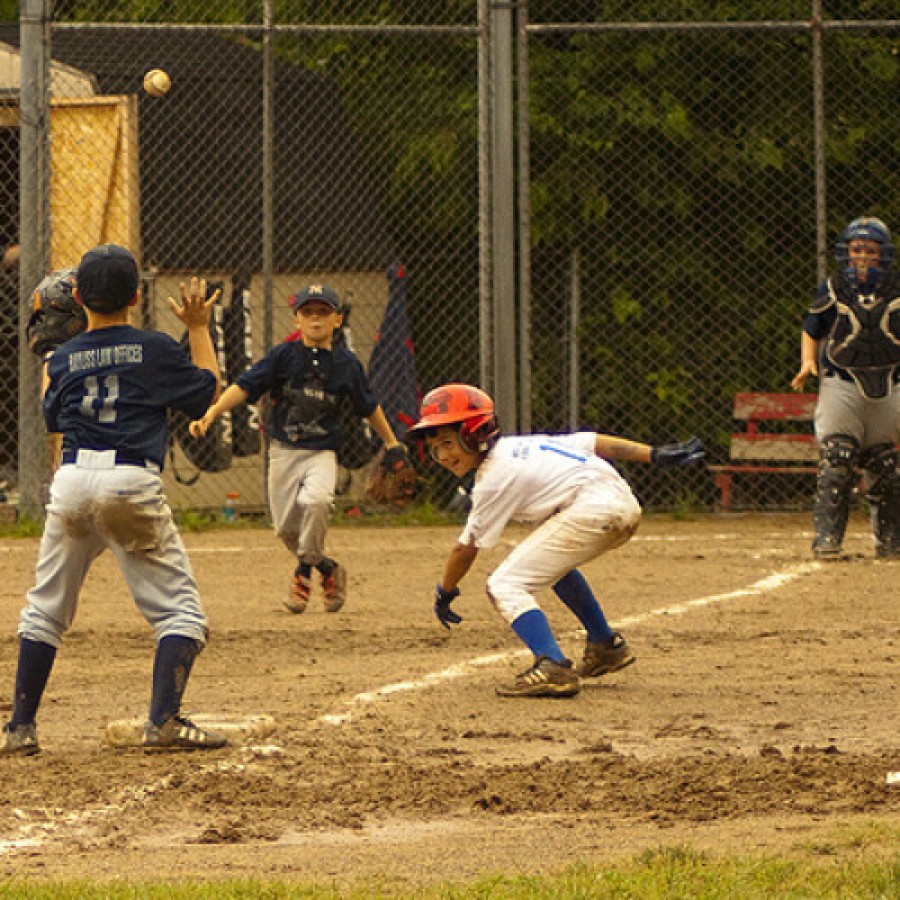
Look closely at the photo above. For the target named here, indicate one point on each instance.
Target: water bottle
(229, 510)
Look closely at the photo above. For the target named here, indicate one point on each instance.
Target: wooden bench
(767, 445)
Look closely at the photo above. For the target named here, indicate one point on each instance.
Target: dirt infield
(762, 713)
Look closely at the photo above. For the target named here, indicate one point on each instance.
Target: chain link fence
(671, 219)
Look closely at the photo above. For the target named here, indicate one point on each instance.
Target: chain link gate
(668, 233)
(287, 152)
(678, 219)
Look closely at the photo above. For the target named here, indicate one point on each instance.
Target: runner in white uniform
(582, 508)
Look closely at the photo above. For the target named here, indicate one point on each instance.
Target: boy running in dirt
(583, 508)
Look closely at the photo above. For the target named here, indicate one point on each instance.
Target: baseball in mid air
(157, 83)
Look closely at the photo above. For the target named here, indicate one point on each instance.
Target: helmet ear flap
(478, 433)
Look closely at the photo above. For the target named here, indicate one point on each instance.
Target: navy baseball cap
(107, 278)
(320, 292)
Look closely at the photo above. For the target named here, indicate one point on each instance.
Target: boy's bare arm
(231, 397)
(378, 421)
(809, 365)
(458, 564)
(610, 447)
(678, 453)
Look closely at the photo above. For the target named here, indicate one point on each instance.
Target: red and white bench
(771, 444)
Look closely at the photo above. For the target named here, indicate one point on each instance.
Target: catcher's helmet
(459, 404)
(865, 228)
(55, 289)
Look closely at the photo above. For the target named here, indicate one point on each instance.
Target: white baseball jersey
(529, 478)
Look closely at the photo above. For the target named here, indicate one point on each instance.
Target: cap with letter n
(107, 278)
(315, 292)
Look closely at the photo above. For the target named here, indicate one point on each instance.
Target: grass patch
(665, 873)
(23, 528)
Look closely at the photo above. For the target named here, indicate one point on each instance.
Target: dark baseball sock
(35, 663)
(576, 593)
(303, 569)
(534, 630)
(172, 664)
(327, 566)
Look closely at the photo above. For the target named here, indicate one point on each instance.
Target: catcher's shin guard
(834, 484)
(881, 462)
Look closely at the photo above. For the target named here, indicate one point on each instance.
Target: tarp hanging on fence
(392, 368)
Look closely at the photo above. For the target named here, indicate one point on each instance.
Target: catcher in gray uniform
(851, 342)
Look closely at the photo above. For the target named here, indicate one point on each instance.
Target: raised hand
(194, 307)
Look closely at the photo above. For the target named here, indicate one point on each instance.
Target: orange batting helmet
(459, 404)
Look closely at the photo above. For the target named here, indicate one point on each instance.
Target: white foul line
(458, 670)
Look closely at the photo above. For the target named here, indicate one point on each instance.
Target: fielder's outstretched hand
(194, 307)
(442, 601)
(678, 454)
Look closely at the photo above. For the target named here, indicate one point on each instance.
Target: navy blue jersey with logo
(307, 386)
(110, 389)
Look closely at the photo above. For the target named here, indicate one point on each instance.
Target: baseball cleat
(601, 658)
(299, 595)
(20, 740)
(179, 733)
(545, 678)
(335, 587)
(826, 546)
(826, 554)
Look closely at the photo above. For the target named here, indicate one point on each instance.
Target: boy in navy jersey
(108, 391)
(307, 380)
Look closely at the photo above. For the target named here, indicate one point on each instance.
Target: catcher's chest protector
(865, 339)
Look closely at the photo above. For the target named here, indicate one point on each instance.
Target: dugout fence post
(485, 228)
(818, 85)
(503, 213)
(34, 238)
(268, 201)
(524, 224)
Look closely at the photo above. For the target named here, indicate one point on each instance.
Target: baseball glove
(393, 483)
(56, 316)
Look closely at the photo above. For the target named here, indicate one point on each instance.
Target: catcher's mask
(55, 290)
(865, 228)
(459, 404)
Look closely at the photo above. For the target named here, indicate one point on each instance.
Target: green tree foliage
(677, 167)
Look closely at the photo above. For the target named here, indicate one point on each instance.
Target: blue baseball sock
(576, 593)
(35, 663)
(534, 630)
(175, 655)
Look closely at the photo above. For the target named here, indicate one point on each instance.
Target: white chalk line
(35, 834)
(770, 583)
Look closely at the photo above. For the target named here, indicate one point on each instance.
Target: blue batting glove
(678, 454)
(442, 601)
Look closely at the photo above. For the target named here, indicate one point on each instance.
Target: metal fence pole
(574, 317)
(818, 74)
(268, 174)
(485, 226)
(34, 237)
(503, 194)
(524, 185)
(268, 199)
